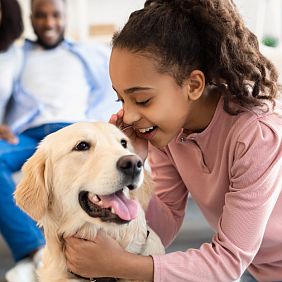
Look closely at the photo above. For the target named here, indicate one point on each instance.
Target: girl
(194, 84)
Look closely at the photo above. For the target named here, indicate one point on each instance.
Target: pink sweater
(233, 170)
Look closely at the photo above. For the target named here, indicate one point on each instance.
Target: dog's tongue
(125, 208)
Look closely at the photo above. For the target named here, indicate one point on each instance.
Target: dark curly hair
(11, 26)
(208, 35)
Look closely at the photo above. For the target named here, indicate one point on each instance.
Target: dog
(83, 178)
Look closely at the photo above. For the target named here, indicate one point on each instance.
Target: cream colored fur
(53, 178)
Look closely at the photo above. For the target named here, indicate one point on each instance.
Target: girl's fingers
(120, 113)
(113, 119)
(116, 119)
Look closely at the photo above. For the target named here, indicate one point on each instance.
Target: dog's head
(88, 169)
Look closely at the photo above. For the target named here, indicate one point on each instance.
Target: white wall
(248, 9)
(269, 17)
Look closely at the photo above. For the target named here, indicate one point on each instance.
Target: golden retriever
(83, 178)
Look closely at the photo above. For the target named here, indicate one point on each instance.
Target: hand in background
(139, 143)
(8, 135)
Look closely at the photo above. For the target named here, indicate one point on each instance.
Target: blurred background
(98, 19)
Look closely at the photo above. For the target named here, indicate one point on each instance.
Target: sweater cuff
(157, 268)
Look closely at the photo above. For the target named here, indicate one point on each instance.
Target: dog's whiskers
(126, 127)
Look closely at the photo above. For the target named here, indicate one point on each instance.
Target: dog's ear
(31, 194)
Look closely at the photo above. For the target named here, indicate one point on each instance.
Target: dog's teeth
(94, 197)
(113, 211)
(100, 203)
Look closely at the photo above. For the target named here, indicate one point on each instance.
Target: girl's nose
(130, 115)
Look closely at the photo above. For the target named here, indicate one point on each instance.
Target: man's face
(48, 20)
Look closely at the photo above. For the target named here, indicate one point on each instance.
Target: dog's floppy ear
(32, 192)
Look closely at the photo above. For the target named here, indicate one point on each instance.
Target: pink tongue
(125, 208)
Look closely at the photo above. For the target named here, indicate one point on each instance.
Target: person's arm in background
(16, 63)
(7, 134)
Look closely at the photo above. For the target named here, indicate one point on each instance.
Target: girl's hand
(104, 257)
(139, 143)
(98, 258)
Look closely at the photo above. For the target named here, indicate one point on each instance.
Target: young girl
(194, 84)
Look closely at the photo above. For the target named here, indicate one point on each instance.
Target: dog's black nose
(130, 165)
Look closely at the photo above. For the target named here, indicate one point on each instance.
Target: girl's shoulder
(259, 125)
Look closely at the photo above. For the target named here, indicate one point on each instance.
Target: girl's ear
(196, 84)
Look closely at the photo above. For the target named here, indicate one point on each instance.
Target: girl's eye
(120, 100)
(142, 103)
(82, 146)
(123, 143)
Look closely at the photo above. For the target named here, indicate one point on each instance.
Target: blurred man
(62, 82)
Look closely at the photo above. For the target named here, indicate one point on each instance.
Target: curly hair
(208, 35)
(11, 26)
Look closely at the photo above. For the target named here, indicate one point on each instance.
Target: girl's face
(153, 103)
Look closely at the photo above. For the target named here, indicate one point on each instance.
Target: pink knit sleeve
(167, 207)
(255, 165)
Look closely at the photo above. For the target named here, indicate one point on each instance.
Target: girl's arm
(254, 187)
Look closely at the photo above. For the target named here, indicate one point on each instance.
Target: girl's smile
(148, 133)
(154, 103)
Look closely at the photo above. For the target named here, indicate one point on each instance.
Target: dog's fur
(56, 174)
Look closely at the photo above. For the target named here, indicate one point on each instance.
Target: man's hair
(11, 26)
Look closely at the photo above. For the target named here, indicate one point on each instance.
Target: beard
(49, 46)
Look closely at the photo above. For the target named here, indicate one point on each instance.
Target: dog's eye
(82, 146)
(124, 143)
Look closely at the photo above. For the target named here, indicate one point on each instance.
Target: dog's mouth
(115, 207)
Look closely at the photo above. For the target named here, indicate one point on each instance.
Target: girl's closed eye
(143, 103)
